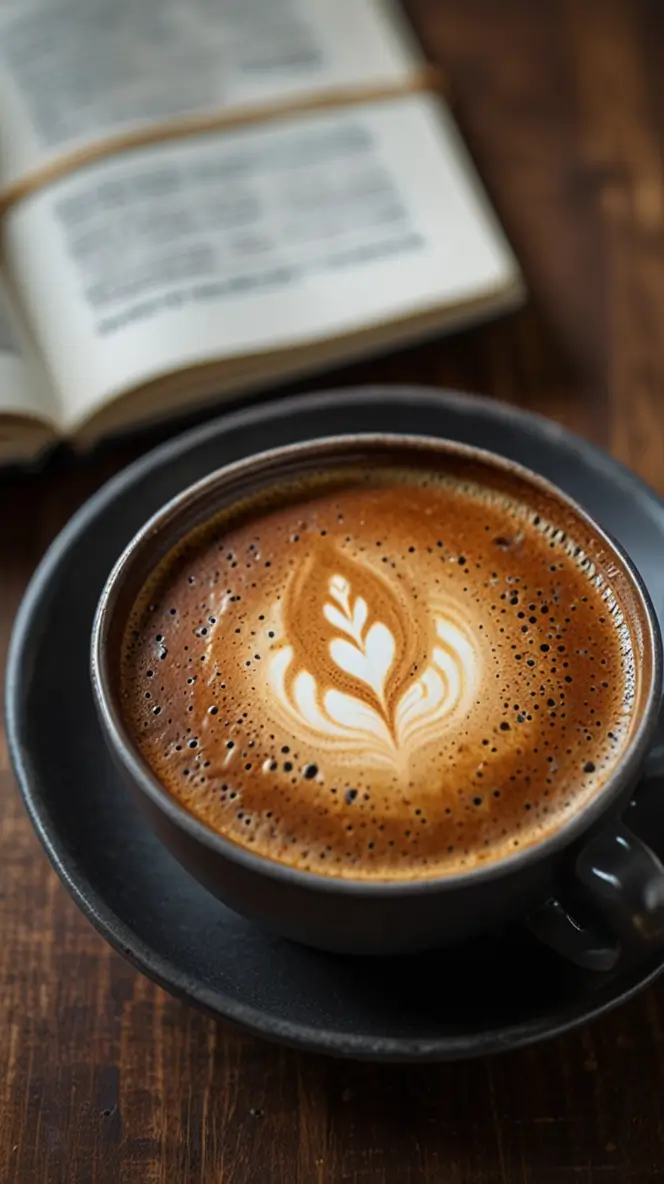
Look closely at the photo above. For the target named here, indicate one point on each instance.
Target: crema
(379, 674)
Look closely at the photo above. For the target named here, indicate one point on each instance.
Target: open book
(203, 198)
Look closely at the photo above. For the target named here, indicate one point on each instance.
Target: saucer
(501, 992)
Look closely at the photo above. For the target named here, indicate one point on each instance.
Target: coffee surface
(380, 674)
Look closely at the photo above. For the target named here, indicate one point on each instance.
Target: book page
(74, 72)
(230, 244)
(22, 390)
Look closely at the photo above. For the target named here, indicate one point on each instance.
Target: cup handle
(622, 882)
(619, 881)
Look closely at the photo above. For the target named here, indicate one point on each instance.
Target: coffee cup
(445, 676)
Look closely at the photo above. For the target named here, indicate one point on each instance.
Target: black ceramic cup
(591, 889)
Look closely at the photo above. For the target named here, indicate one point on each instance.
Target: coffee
(383, 672)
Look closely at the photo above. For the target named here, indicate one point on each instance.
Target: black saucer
(500, 993)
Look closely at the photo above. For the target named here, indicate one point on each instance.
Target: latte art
(382, 674)
(361, 696)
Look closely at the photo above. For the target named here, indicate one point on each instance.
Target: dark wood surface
(104, 1077)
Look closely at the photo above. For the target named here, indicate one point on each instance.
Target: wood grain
(103, 1077)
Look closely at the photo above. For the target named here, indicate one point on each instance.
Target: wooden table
(103, 1077)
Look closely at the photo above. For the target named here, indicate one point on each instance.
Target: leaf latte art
(369, 670)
